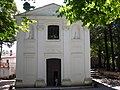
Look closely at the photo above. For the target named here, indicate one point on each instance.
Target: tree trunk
(99, 56)
(112, 49)
(118, 46)
(104, 61)
(106, 49)
(0, 52)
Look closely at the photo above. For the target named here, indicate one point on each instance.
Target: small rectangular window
(53, 32)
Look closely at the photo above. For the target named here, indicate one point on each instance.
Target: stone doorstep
(60, 87)
(40, 84)
(63, 87)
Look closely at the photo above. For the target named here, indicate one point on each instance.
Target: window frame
(58, 33)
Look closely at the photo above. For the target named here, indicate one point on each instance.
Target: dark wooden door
(53, 72)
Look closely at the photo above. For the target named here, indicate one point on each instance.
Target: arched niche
(30, 34)
(75, 31)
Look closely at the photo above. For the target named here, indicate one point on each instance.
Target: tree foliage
(91, 12)
(98, 45)
(97, 13)
(8, 23)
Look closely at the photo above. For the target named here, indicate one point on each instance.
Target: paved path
(114, 87)
(5, 84)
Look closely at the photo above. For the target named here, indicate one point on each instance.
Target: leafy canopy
(8, 25)
(91, 12)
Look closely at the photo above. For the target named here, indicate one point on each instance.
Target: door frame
(59, 69)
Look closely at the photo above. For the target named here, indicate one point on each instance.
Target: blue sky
(38, 3)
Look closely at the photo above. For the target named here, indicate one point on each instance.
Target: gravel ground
(112, 83)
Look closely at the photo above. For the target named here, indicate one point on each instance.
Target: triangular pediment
(48, 10)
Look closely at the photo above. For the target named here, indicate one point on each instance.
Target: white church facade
(52, 50)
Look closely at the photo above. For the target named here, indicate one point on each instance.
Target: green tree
(92, 13)
(8, 24)
(97, 44)
(116, 41)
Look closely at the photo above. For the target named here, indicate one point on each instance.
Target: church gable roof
(47, 10)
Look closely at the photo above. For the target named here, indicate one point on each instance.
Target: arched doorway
(53, 70)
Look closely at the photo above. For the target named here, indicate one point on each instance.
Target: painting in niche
(75, 32)
(30, 34)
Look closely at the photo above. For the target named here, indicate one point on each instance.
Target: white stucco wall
(73, 48)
